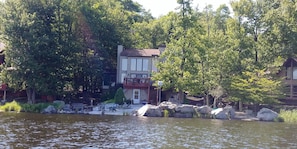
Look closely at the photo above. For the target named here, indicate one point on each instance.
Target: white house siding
(143, 94)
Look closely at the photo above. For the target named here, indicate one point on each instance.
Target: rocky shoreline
(171, 109)
(174, 109)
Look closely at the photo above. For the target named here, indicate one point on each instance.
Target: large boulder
(204, 109)
(49, 110)
(59, 102)
(266, 114)
(223, 113)
(168, 105)
(185, 109)
(183, 115)
(150, 111)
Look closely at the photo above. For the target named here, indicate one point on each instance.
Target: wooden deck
(136, 82)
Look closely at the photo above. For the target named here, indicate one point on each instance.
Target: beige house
(134, 69)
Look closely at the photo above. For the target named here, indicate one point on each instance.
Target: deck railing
(136, 82)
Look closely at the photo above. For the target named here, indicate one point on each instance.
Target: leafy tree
(256, 87)
(119, 96)
(179, 67)
(40, 45)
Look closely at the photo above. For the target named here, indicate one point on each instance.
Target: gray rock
(49, 110)
(183, 115)
(185, 109)
(168, 105)
(266, 114)
(204, 110)
(67, 107)
(153, 111)
(223, 113)
(150, 111)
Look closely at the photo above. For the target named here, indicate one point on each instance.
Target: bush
(119, 96)
(109, 101)
(11, 106)
(37, 108)
(288, 115)
(166, 113)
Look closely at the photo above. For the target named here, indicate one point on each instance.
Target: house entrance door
(136, 96)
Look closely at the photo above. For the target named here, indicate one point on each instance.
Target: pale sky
(162, 7)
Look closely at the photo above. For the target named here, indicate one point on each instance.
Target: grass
(288, 115)
(109, 101)
(11, 106)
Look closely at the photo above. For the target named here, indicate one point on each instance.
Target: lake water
(25, 130)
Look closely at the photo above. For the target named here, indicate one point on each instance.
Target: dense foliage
(58, 46)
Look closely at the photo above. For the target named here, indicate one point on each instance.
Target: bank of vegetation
(60, 47)
(288, 115)
(26, 107)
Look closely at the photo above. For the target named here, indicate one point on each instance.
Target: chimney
(119, 51)
(162, 48)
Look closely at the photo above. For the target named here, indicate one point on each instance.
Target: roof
(140, 53)
(287, 63)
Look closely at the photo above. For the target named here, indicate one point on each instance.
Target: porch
(130, 83)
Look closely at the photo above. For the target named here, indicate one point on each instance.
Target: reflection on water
(27, 130)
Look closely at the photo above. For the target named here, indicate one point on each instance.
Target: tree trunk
(240, 106)
(181, 96)
(215, 103)
(207, 100)
(30, 95)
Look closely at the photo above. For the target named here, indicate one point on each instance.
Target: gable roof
(140, 53)
(287, 63)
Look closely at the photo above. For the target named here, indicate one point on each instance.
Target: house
(289, 72)
(134, 69)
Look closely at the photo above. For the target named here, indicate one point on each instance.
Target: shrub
(11, 106)
(166, 113)
(109, 101)
(37, 108)
(288, 115)
(119, 96)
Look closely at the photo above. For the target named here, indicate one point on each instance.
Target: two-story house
(134, 69)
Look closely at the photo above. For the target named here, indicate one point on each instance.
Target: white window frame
(124, 64)
(133, 64)
(294, 73)
(139, 64)
(145, 64)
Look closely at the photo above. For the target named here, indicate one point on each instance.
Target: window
(295, 73)
(154, 63)
(145, 65)
(136, 93)
(124, 64)
(139, 64)
(133, 64)
(289, 73)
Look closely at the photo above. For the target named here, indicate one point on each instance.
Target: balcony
(136, 82)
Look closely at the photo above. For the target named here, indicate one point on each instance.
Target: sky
(162, 7)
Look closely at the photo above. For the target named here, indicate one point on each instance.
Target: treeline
(58, 46)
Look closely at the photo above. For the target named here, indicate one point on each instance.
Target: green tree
(40, 45)
(178, 68)
(256, 87)
(119, 96)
